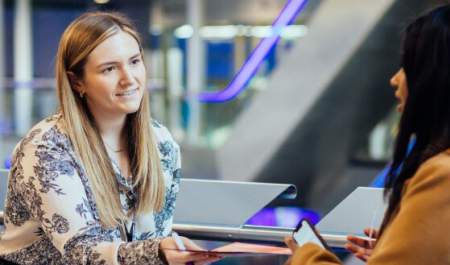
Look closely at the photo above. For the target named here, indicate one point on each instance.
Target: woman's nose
(394, 79)
(126, 77)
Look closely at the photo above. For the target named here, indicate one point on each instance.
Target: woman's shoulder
(436, 168)
(438, 161)
(161, 133)
(157, 126)
(47, 132)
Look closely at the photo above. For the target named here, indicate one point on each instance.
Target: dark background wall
(319, 154)
(51, 17)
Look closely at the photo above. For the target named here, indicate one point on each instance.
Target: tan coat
(420, 231)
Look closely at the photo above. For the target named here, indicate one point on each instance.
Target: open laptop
(224, 203)
(217, 210)
(362, 208)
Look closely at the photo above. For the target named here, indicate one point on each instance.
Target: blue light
(248, 70)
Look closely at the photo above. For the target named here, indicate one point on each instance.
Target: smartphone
(305, 233)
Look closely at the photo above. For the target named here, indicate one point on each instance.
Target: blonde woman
(96, 183)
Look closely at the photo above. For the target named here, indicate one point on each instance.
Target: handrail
(287, 15)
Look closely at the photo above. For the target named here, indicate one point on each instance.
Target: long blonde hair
(77, 42)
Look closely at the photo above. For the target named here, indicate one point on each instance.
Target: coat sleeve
(313, 254)
(419, 232)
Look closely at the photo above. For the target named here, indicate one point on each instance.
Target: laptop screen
(362, 208)
(224, 203)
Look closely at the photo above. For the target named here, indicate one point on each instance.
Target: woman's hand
(180, 257)
(290, 242)
(362, 248)
(292, 245)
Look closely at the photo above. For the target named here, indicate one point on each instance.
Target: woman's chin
(130, 108)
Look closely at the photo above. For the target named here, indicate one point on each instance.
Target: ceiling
(174, 11)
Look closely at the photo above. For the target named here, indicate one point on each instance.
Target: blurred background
(306, 101)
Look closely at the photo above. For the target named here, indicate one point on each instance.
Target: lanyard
(125, 234)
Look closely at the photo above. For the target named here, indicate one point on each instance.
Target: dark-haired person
(362, 248)
(96, 183)
(416, 225)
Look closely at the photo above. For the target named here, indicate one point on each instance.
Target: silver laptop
(224, 203)
(362, 208)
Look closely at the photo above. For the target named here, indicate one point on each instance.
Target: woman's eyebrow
(136, 55)
(108, 63)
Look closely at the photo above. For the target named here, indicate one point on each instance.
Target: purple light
(237, 85)
(8, 163)
(283, 217)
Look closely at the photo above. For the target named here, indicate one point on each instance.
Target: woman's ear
(75, 82)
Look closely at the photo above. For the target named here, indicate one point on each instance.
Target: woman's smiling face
(114, 76)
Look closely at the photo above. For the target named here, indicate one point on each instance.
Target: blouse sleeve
(55, 195)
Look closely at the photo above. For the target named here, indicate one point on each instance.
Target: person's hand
(292, 245)
(360, 247)
(290, 242)
(179, 257)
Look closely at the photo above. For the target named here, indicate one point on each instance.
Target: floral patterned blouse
(50, 213)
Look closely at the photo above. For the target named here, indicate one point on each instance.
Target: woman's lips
(127, 93)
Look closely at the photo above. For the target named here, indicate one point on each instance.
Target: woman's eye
(108, 69)
(136, 61)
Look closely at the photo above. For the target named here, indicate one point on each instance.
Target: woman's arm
(418, 234)
(310, 254)
(49, 180)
